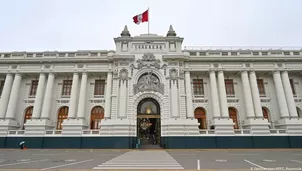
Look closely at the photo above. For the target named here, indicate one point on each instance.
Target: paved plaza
(64, 159)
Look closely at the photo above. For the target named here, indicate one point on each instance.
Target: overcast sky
(40, 25)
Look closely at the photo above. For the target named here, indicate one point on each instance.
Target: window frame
(198, 87)
(229, 83)
(66, 88)
(99, 88)
(33, 88)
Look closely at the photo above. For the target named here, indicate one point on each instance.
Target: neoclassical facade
(150, 88)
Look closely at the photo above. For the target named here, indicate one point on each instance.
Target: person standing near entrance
(22, 145)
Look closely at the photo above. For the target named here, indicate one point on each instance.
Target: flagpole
(148, 21)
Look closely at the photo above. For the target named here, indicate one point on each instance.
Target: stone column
(289, 95)
(107, 113)
(248, 101)
(222, 95)
(39, 97)
(123, 91)
(82, 98)
(190, 113)
(255, 95)
(174, 99)
(214, 95)
(73, 96)
(48, 96)
(280, 95)
(5, 94)
(11, 109)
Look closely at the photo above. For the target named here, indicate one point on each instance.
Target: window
(97, 114)
(225, 53)
(296, 53)
(261, 88)
(292, 84)
(229, 87)
(62, 115)
(28, 114)
(66, 87)
(198, 87)
(33, 88)
(1, 86)
(99, 87)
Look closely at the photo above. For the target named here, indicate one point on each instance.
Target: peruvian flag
(140, 18)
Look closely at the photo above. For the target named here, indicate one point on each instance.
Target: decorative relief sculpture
(148, 60)
(148, 82)
(123, 74)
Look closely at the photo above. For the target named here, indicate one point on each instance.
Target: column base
(292, 125)
(8, 124)
(118, 127)
(180, 127)
(73, 126)
(257, 126)
(38, 126)
(223, 126)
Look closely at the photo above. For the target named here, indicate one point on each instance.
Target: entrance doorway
(148, 122)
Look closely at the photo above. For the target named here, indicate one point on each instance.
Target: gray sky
(38, 25)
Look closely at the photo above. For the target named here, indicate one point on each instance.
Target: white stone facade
(175, 68)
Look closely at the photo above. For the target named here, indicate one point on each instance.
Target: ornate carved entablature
(148, 60)
(148, 82)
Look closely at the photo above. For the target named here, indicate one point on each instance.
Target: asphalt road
(41, 159)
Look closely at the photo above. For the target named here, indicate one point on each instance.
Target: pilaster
(214, 95)
(189, 107)
(280, 95)
(5, 94)
(108, 96)
(37, 126)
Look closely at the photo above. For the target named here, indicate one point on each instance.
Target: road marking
(10, 164)
(244, 154)
(254, 164)
(23, 160)
(296, 161)
(198, 164)
(70, 160)
(269, 160)
(47, 154)
(63, 165)
(221, 160)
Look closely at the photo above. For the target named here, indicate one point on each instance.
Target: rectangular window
(292, 84)
(229, 87)
(261, 88)
(66, 89)
(99, 87)
(1, 86)
(198, 87)
(33, 88)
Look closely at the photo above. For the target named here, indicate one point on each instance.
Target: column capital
(211, 70)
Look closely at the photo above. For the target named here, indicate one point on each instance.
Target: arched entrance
(97, 114)
(148, 121)
(233, 116)
(200, 115)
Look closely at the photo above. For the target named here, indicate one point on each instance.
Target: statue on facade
(148, 82)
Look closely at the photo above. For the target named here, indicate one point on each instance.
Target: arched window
(233, 115)
(28, 114)
(265, 114)
(97, 113)
(62, 115)
(299, 112)
(200, 115)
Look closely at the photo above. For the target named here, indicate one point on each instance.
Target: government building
(152, 92)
